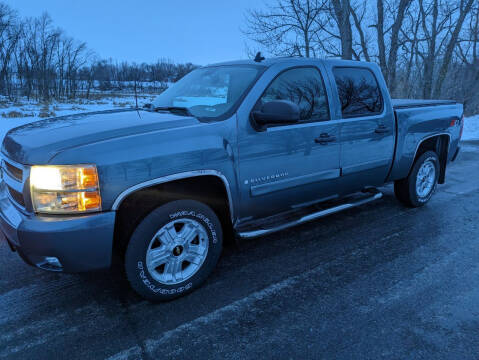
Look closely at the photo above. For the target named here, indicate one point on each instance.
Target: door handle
(381, 129)
(324, 139)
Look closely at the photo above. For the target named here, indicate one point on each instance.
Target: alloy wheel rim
(426, 177)
(177, 251)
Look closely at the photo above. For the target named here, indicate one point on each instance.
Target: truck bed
(411, 103)
(418, 120)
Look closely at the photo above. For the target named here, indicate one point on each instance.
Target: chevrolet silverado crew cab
(241, 148)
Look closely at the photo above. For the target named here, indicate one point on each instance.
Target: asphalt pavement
(378, 281)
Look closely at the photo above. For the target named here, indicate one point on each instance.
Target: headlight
(65, 189)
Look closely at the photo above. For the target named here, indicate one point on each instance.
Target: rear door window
(359, 92)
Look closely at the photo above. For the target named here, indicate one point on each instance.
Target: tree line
(40, 61)
(425, 48)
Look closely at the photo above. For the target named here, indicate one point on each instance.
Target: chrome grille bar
(14, 174)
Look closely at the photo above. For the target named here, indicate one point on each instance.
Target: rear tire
(173, 250)
(416, 190)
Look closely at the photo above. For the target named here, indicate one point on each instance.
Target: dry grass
(16, 114)
(46, 113)
(122, 104)
(77, 108)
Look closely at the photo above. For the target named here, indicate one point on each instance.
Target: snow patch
(471, 128)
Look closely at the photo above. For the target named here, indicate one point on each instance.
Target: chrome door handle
(381, 129)
(324, 139)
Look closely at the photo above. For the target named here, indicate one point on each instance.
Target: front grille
(18, 197)
(13, 177)
(14, 171)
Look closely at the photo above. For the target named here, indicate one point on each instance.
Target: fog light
(50, 263)
(53, 261)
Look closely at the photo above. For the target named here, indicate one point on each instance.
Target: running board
(264, 230)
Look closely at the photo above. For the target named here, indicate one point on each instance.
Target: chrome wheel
(426, 178)
(177, 251)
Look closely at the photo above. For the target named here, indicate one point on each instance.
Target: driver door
(282, 167)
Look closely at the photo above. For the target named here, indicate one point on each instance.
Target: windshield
(209, 92)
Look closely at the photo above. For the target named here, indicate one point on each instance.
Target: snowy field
(13, 114)
(24, 111)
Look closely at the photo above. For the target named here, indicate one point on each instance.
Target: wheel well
(440, 145)
(209, 190)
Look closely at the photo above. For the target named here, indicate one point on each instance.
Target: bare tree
(358, 21)
(39, 60)
(468, 45)
(388, 66)
(394, 42)
(287, 27)
(431, 36)
(9, 37)
(425, 48)
(464, 9)
(342, 12)
(409, 50)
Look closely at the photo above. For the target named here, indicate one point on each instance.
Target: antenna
(259, 57)
(136, 94)
(136, 101)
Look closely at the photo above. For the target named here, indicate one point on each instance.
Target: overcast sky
(198, 31)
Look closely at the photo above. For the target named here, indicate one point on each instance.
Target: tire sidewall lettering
(143, 272)
(149, 284)
(199, 216)
(135, 257)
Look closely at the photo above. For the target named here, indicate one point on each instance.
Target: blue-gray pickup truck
(237, 149)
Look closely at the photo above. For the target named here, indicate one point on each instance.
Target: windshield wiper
(174, 110)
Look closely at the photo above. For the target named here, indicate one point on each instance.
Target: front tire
(173, 250)
(417, 189)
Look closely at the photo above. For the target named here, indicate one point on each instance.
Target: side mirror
(278, 112)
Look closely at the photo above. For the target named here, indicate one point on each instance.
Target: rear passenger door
(367, 130)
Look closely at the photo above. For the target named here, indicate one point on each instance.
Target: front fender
(136, 161)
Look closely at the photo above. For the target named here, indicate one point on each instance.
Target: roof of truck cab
(299, 60)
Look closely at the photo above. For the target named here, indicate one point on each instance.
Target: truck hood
(38, 142)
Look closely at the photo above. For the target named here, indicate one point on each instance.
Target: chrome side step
(309, 217)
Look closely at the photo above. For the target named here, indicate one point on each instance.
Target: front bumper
(79, 243)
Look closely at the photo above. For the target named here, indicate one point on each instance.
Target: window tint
(358, 92)
(303, 86)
